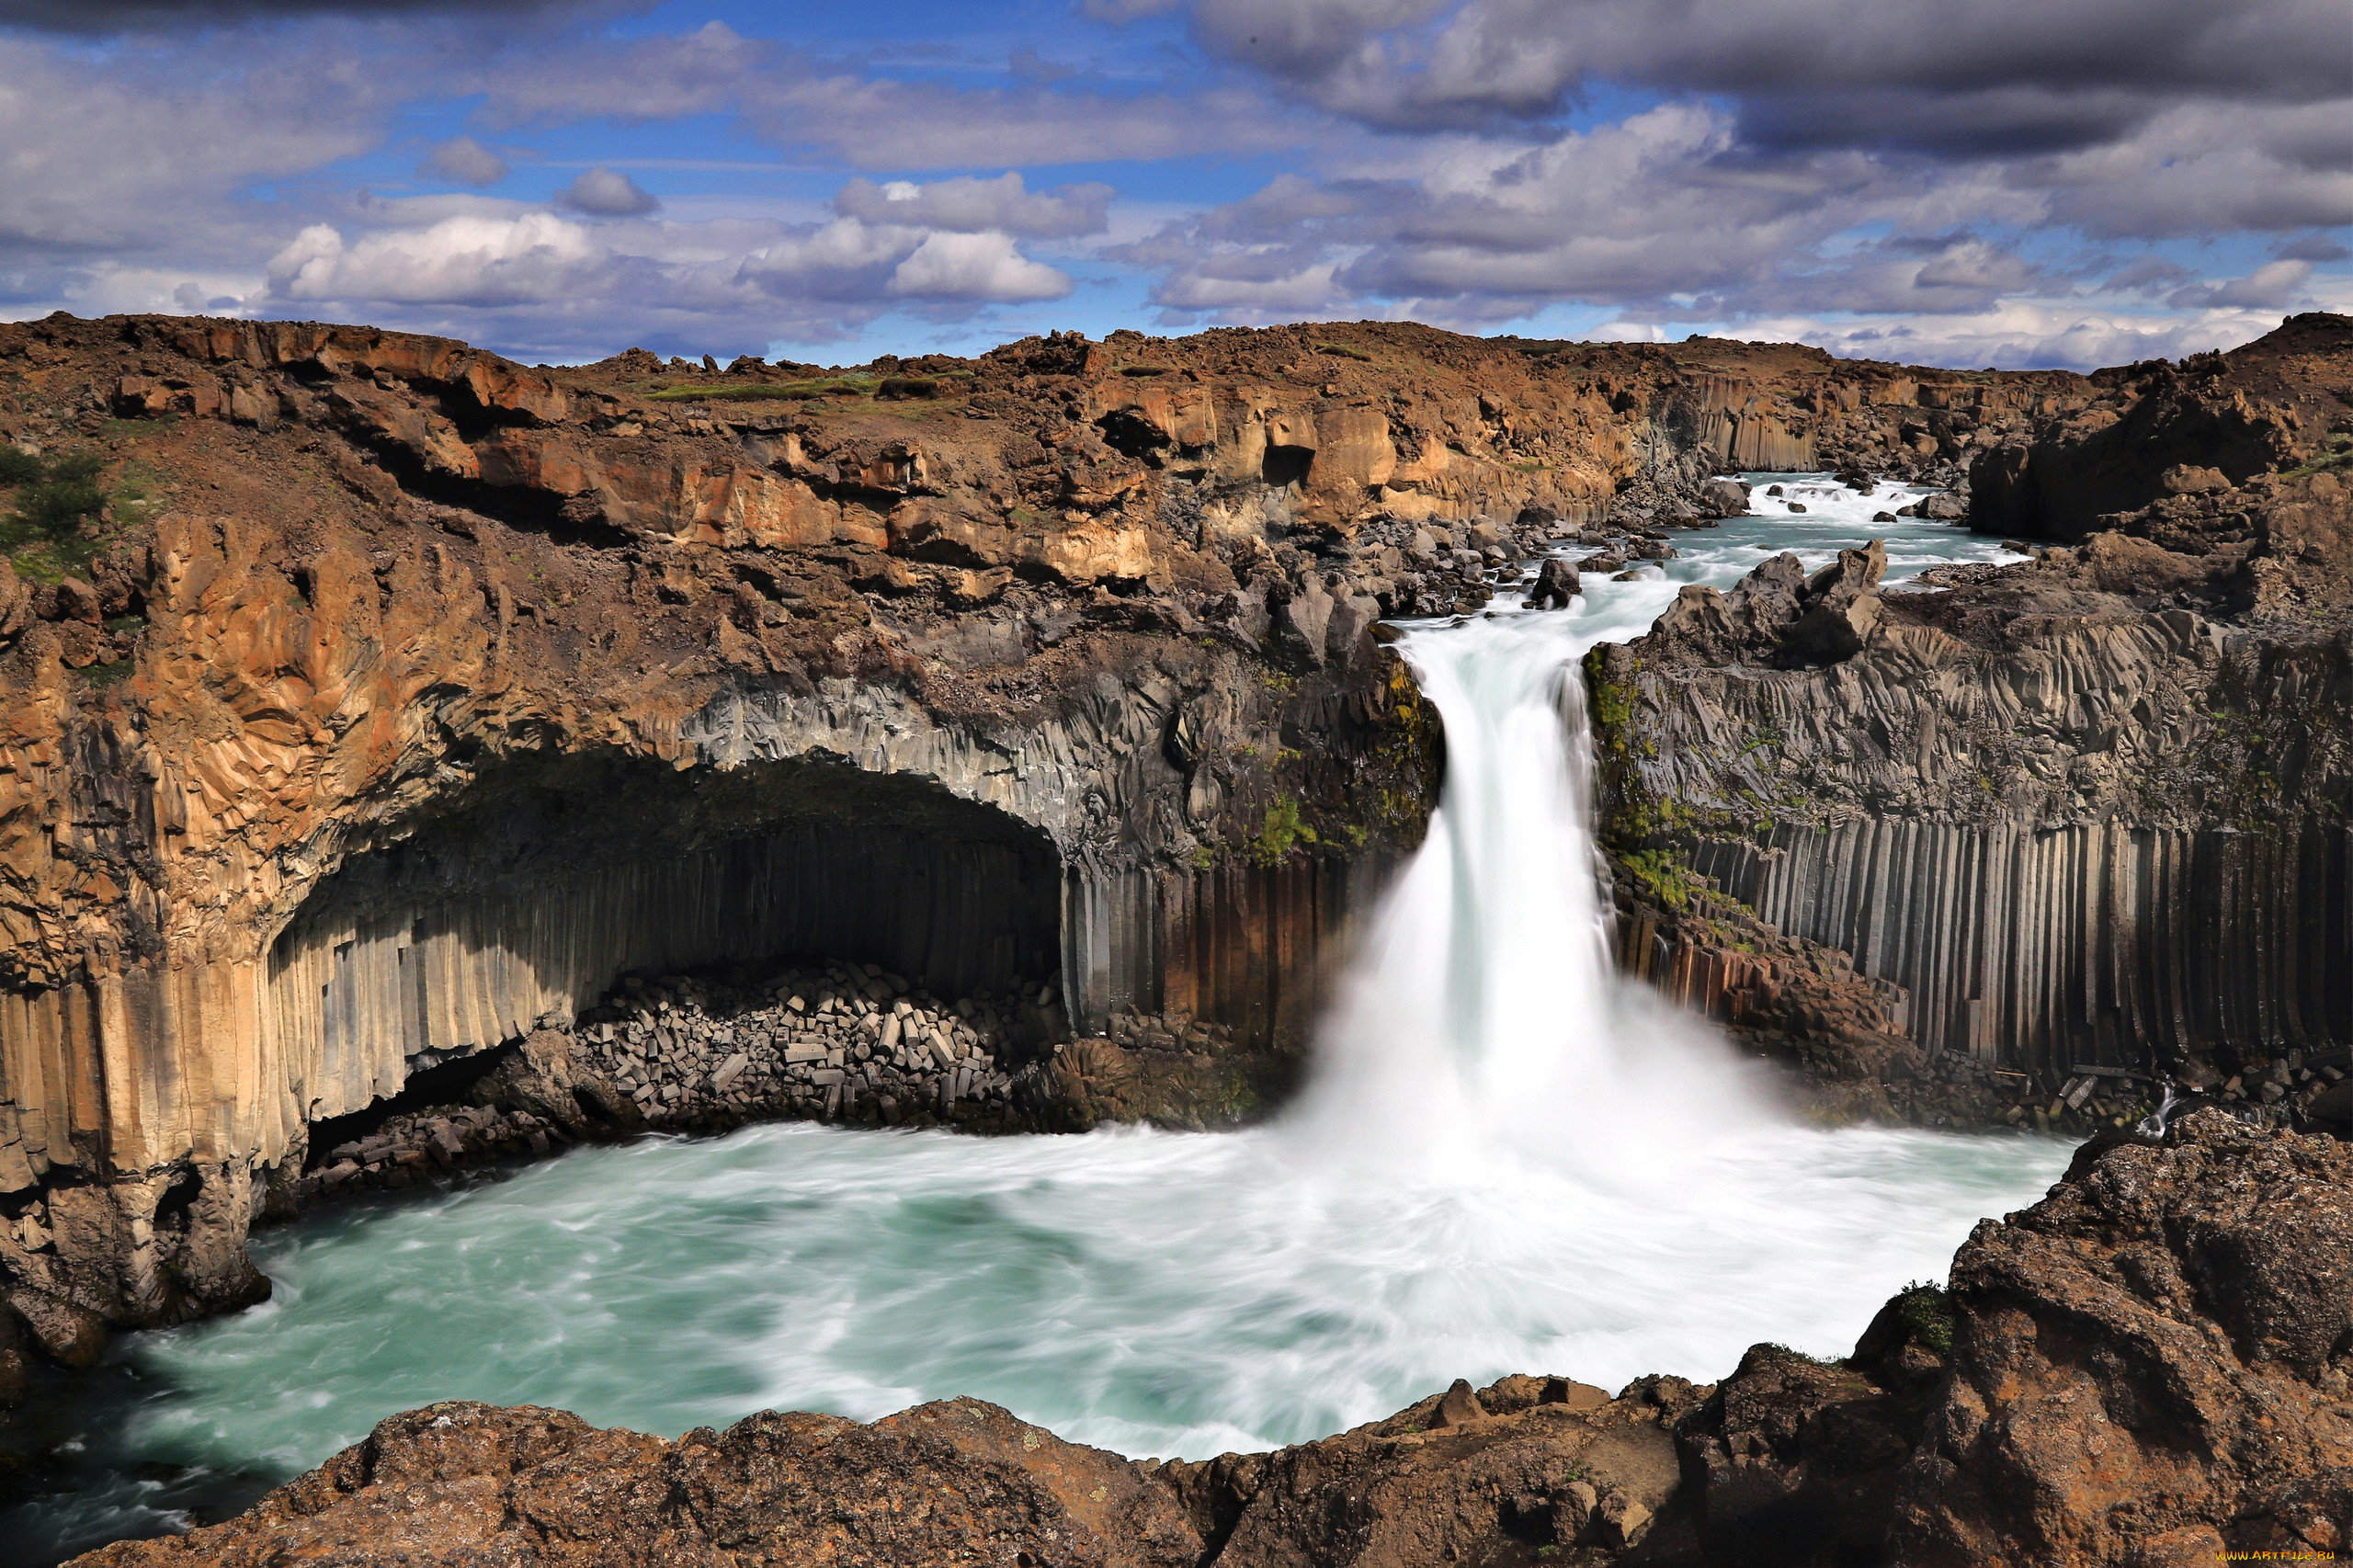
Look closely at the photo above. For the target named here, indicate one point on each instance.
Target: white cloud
(975, 266)
(467, 260)
(971, 205)
(2016, 333)
(2269, 286)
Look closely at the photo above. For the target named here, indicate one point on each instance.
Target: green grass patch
(1284, 830)
(51, 529)
(1344, 352)
(771, 392)
(55, 522)
(856, 384)
(2340, 455)
(1666, 878)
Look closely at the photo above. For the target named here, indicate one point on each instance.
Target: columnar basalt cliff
(2149, 1368)
(2089, 812)
(371, 702)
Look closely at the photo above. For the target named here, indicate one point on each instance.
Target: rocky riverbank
(2146, 1370)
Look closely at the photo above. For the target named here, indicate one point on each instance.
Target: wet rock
(1556, 585)
(2152, 1360)
(68, 1334)
(1724, 498)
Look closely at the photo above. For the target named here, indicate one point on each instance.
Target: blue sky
(1951, 181)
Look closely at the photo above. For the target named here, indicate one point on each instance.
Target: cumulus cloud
(461, 160)
(2269, 286)
(975, 266)
(546, 281)
(1659, 205)
(2315, 247)
(2024, 334)
(608, 193)
(1809, 160)
(1954, 179)
(465, 260)
(970, 204)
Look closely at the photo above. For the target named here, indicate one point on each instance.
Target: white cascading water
(1507, 1160)
(1485, 1013)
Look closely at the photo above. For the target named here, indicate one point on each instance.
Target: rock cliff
(2147, 1370)
(368, 703)
(2088, 812)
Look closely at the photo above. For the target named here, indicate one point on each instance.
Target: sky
(2013, 183)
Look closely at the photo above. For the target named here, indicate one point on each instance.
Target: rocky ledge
(2151, 1366)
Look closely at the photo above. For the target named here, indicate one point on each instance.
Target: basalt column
(560, 875)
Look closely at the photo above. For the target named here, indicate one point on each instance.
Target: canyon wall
(2089, 811)
(370, 700)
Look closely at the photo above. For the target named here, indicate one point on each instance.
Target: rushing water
(1506, 1161)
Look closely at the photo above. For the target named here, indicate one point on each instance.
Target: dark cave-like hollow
(552, 876)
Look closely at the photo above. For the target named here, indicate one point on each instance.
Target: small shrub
(1926, 1310)
(2339, 454)
(47, 533)
(19, 466)
(1666, 878)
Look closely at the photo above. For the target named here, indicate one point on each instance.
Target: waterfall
(1483, 1014)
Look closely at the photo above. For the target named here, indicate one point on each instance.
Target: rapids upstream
(1506, 1160)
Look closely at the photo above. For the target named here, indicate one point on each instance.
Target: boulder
(2153, 1365)
(70, 1335)
(1841, 605)
(1556, 585)
(1724, 498)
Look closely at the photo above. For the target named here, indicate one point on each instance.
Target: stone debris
(839, 1042)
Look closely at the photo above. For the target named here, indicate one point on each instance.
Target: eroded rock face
(2087, 812)
(2152, 1366)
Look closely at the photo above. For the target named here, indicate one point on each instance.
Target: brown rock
(1458, 1406)
(2157, 1356)
(71, 1335)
